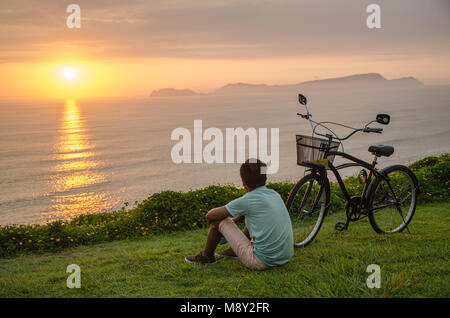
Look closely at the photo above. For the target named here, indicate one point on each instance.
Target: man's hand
(216, 215)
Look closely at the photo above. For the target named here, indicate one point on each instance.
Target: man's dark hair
(251, 173)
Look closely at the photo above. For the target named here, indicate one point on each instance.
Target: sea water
(59, 159)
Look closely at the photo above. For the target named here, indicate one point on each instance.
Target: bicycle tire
(324, 190)
(379, 224)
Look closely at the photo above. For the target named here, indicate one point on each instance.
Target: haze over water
(61, 159)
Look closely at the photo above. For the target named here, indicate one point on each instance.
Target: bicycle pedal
(340, 226)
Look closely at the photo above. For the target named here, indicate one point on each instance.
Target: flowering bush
(434, 178)
(168, 211)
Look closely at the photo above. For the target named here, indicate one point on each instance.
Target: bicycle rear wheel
(393, 203)
(307, 205)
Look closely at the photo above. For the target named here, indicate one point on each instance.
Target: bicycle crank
(353, 209)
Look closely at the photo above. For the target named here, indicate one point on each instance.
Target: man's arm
(217, 214)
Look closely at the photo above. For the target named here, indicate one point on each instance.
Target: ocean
(59, 159)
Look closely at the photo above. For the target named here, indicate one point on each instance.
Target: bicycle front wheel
(393, 200)
(307, 205)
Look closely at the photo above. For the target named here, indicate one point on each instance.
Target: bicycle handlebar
(355, 130)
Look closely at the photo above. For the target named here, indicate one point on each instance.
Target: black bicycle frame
(356, 163)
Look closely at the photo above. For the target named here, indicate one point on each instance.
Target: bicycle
(388, 198)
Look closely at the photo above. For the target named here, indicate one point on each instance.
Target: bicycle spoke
(406, 198)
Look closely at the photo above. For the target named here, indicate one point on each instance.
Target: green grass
(334, 265)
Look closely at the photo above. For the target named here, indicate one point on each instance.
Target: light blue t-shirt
(268, 223)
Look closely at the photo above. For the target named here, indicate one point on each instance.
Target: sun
(69, 73)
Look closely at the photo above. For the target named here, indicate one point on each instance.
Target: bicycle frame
(373, 172)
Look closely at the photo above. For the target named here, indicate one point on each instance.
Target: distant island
(238, 87)
(369, 80)
(166, 92)
(362, 80)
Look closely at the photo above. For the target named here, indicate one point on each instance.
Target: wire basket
(312, 150)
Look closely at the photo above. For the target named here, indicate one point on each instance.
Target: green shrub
(434, 180)
(168, 211)
(429, 162)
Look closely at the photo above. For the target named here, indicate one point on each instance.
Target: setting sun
(69, 73)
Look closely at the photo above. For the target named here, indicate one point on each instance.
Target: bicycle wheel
(393, 202)
(307, 205)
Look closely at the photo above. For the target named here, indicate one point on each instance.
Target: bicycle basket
(312, 150)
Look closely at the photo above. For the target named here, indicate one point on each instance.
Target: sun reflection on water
(76, 171)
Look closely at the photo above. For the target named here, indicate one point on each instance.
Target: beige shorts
(240, 244)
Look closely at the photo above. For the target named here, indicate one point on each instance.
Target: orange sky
(130, 49)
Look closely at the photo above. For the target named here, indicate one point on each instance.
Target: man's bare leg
(206, 256)
(212, 239)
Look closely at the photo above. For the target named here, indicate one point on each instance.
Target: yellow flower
(57, 240)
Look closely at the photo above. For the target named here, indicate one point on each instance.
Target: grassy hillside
(170, 211)
(334, 265)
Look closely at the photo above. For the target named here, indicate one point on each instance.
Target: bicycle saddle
(381, 150)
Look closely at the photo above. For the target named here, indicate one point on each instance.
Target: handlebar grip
(375, 130)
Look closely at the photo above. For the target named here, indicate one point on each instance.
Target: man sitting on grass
(267, 239)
